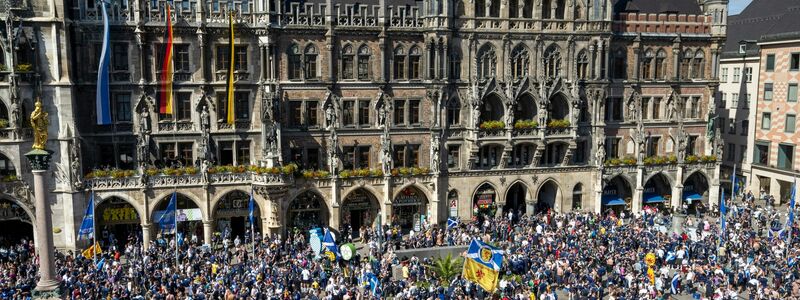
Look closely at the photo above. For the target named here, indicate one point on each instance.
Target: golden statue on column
(39, 122)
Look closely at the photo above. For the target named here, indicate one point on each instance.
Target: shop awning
(613, 200)
(653, 198)
(691, 196)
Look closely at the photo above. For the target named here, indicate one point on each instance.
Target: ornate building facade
(390, 112)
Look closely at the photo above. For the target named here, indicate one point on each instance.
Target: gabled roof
(762, 19)
(690, 7)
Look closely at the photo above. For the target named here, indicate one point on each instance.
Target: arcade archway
(617, 195)
(188, 216)
(232, 215)
(657, 191)
(118, 222)
(558, 107)
(695, 191)
(16, 223)
(516, 197)
(408, 208)
(484, 202)
(307, 211)
(547, 196)
(359, 209)
(492, 109)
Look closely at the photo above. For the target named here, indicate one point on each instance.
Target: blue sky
(736, 6)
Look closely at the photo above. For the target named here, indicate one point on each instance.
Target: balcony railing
(184, 180)
(525, 132)
(557, 131)
(489, 133)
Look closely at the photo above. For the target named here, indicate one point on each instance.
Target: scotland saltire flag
(452, 223)
(167, 220)
(329, 242)
(102, 97)
(722, 212)
(374, 283)
(87, 226)
(676, 281)
(251, 209)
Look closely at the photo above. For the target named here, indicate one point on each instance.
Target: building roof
(762, 20)
(658, 6)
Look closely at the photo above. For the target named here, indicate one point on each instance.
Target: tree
(446, 268)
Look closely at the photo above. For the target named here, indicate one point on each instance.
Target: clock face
(347, 252)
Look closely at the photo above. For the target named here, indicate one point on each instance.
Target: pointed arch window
(487, 63)
(686, 62)
(552, 63)
(310, 62)
(520, 60)
(348, 59)
(414, 57)
(583, 65)
(620, 64)
(577, 197)
(294, 67)
(364, 55)
(399, 65)
(661, 70)
(646, 64)
(698, 64)
(453, 112)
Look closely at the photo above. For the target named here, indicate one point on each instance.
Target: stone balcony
(185, 180)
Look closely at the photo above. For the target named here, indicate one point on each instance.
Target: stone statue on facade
(205, 120)
(631, 112)
(272, 139)
(75, 163)
(600, 154)
(383, 115)
(671, 108)
(435, 163)
(333, 146)
(386, 152)
(330, 116)
(144, 121)
(39, 122)
(681, 146)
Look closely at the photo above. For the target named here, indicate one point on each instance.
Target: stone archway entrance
(118, 222)
(16, 223)
(547, 197)
(657, 191)
(408, 208)
(188, 215)
(515, 200)
(617, 195)
(232, 215)
(695, 192)
(359, 209)
(484, 203)
(307, 211)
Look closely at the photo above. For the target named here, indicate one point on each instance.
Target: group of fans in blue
(546, 256)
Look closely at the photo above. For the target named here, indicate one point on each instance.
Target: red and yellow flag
(93, 250)
(165, 99)
(230, 107)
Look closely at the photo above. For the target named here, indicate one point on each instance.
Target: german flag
(165, 99)
(230, 107)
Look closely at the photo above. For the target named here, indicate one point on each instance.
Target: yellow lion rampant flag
(482, 265)
(90, 252)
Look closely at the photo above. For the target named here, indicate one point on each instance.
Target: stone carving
(39, 122)
(333, 146)
(61, 175)
(75, 163)
(632, 102)
(600, 154)
(205, 120)
(671, 108)
(272, 139)
(144, 120)
(16, 117)
(435, 152)
(681, 146)
(386, 152)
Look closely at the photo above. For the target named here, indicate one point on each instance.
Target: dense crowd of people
(572, 255)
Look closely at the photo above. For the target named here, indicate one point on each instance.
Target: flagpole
(175, 220)
(94, 229)
(252, 227)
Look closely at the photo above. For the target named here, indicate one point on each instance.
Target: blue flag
(676, 282)
(101, 263)
(87, 226)
(330, 243)
(167, 220)
(251, 209)
(722, 212)
(374, 283)
(103, 103)
(790, 221)
(452, 223)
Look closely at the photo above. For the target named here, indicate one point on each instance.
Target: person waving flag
(482, 265)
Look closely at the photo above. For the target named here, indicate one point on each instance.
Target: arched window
(620, 64)
(455, 65)
(414, 62)
(560, 9)
(527, 9)
(696, 108)
(348, 58)
(661, 70)
(577, 197)
(480, 8)
(645, 108)
(578, 14)
(546, 9)
(519, 62)
(399, 63)
(656, 108)
(487, 62)
(552, 62)
(686, 62)
(646, 63)
(698, 64)
(494, 9)
(513, 8)
(583, 65)
(294, 67)
(310, 62)
(363, 62)
(431, 60)
(453, 112)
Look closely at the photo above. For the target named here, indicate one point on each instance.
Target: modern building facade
(352, 114)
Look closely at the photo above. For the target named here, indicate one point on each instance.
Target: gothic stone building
(394, 112)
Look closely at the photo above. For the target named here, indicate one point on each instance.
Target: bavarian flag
(482, 265)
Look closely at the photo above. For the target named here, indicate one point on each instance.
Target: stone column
(386, 202)
(207, 229)
(598, 192)
(677, 190)
(47, 287)
(638, 194)
(146, 235)
(713, 192)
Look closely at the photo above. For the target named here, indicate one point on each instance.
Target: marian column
(39, 158)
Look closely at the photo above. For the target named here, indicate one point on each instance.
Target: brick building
(392, 111)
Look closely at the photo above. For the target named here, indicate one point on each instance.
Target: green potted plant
(492, 125)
